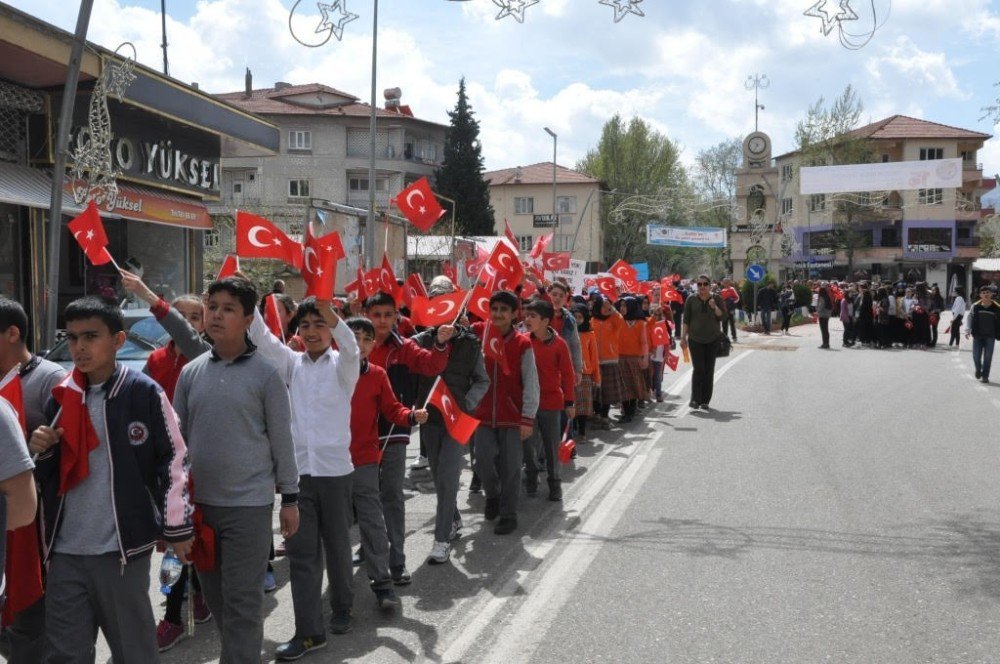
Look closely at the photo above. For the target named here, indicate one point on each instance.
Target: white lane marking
(685, 409)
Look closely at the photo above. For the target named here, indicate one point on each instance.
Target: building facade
(526, 198)
(913, 234)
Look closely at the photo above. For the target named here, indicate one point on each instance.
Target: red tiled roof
(903, 126)
(271, 101)
(537, 174)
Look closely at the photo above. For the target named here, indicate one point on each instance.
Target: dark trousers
(392, 474)
(728, 324)
(498, 461)
(84, 593)
(702, 371)
(824, 330)
(786, 319)
(26, 635)
(545, 438)
(849, 332)
(956, 333)
(934, 334)
(446, 458)
(323, 541)
(765, 320)
(982, 354)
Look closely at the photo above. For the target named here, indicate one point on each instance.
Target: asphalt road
(834, 505)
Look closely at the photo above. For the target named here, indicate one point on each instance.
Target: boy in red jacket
(556, 382)
(507, 413)
(373, 396)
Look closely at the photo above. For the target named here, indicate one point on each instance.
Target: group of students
(189, 454)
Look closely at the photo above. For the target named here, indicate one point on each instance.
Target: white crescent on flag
(504, 260)
(483, 303)
(446, 406)
(252, 237)
(434, 311)
(309, 251)
(495, 345)
(409, 198)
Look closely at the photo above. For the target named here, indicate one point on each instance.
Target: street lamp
(555, 143)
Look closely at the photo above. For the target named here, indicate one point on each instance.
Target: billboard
(895, 175)
(686, 236)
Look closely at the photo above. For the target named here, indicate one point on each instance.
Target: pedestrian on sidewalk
(983, 326)
(847, 317)
(700, 333)
(824, 310)
(957, 315)
(767, 302)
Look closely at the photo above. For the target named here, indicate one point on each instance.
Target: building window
(562, 242)
(890, 237)
(210, 239)
(361, 184)
(237, 187)
(885, 158)
(817, 203)
(786, 206)
(931, 153)
(566, 204)
(786, 173)
(930, 196)
(299, 140)
(526, 241)
(298, 188)
(524, 205)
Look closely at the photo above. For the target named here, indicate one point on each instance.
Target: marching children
(591, 376)
(234, 411)
(608, 326)
(507, 413)
(113, 478)
(373, 397)
(321, 382)
(556, 383)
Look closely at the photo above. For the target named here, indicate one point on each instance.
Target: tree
(648, 183)
(460, 177)
(827, 138)
(715, 184)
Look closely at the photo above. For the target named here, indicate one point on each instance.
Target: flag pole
(454, 206)
(430, 392)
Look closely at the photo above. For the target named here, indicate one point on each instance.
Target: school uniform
(556, 386)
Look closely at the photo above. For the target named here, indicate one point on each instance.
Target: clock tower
(757, 150)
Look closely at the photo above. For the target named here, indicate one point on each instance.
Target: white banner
(888, 176)
(574, 275)
(685, 236)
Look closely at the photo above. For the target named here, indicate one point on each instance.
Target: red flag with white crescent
(387, 279)
(272, 316)
(319, 265)
(660, 335)
(623, 271)
(10, 389)
(556, 261)
(448, 270)
(256, 237)
(504, 267)
(440, 310)
(509, 234)
(608, 288)
(671, 360)
(479, 301)
(79, 437)
(493, 347)
(459, 425)
(358, 285)
(88, 231)
(413, 288)
(419, 205)
(230, 266)
(541, 244)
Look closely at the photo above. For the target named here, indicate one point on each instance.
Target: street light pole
(369, 253)
(555, 211)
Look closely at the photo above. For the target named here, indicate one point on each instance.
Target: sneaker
(555, 491)
(420, 463)
(492, 509)
(167, 635)
(400, 576)
(298, 647)
(202, 614)
(476, 485)
(440, 553)
(506, 525)
(978, 375)
(456, 531)
(386, 598)
(985, 379)
(358, 559)
(340, 622)
(270, 584)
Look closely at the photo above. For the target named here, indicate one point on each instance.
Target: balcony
(969, 165)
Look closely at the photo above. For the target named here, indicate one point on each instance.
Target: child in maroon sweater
(373, 395)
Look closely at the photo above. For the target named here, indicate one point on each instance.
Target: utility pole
(370, 253)
(163, 31)
(757, 82)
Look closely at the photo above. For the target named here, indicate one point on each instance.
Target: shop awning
(986, 265)
(31, 187)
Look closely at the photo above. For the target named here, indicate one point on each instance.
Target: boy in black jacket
(113, 477)
(984, 328)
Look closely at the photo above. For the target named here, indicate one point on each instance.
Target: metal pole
(59, 169)
(369, 252)
(163, 31)
(555, 207)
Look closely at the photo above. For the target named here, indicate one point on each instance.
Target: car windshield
(143, 337)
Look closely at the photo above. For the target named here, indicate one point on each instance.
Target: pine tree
(461, 175)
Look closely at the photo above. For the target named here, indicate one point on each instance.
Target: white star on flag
(90, 235)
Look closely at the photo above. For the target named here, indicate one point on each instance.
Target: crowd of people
(189, 455)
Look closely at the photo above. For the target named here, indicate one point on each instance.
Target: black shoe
(555, 490)
(476, 485)
(340, 622)
(358, 559)
(531, 483)
(703, 407)
(386, 599)
(985, 379)
(400, 576)
(506, 525)
(298, 647)
(978, 375)
(492, 509)
(693, 405)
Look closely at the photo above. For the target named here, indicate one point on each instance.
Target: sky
(683, 67)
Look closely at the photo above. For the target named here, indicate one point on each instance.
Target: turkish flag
(88, 231)
(10, 389)
(493, 347)
(674, 278)
(509, 234)
(473, 265)
(441, 310)
(479, 301)
(608, 288)
(330, 244)
(387, 278)
(671, 295)
(419, 205)
(319, 265)
(79, 438)
(623, 271)
(556, 261)
(230, 266)
(413, 288)
(459, 425)
(448, 270)
(645, 288)
(358, 285)
(256, 237)
(504, 267)
(660, 334)
(631, 286)
(272, 316)
(589, 282)
(566, 447)
(671, 360)
(541, 244)
(528, 290)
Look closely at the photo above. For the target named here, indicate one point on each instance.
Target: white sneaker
(440, 553)
(419, 464)
(456, 530)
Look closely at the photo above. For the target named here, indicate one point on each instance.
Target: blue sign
(641, 271)
(755, 273)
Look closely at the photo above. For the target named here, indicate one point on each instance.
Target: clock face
(757, 145)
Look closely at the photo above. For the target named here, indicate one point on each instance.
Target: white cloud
(924, 70)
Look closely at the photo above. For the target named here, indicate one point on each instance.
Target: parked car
(143, 335)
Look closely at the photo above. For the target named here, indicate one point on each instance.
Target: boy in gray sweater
(234, 411)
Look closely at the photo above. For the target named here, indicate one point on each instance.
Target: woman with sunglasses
(701, 329)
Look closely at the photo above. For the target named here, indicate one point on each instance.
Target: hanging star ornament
(513, 8)
(831, 19)
(335, 28)
(623, 8)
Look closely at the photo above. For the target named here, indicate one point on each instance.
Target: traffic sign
(755, 273)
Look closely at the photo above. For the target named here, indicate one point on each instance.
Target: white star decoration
(513, 8)
(90, 235)
(829, 18)
(623, 8)
(337, 29)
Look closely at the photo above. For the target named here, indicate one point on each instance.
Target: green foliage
(803, 296)
(649, 184)
(747, 300)
(460, 177)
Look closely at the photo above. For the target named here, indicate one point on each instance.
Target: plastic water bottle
(170, 572)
